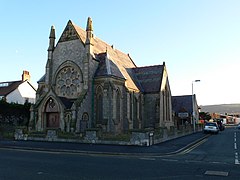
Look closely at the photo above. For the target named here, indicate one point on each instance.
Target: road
(213, 158)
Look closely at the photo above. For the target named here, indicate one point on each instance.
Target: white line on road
(235, 147)
(149, 159)
(216, 173)
(170, 160)
(237, 162)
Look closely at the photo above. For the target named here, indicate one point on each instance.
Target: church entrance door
(52, 114)
(52, 120)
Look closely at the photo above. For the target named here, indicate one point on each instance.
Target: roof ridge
(11, 81)
(99, 39)
(157, 65)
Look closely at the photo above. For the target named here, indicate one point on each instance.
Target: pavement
(169, 147)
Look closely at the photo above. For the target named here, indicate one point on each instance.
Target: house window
(4, 84)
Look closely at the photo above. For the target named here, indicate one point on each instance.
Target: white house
(18, 91)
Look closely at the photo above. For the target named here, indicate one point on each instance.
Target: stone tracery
(68, 82)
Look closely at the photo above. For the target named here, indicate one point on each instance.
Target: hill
(221, 108)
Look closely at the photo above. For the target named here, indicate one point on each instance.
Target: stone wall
(150, 110)
(137, 138)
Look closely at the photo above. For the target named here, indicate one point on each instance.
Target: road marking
(236, 158)
(149, 159)
(193, 147)
(216, 173)
(192, 161)
(235, 146)
(170, 160)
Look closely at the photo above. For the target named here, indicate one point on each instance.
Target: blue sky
(197, 39)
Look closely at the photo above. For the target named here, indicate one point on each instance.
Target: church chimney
(26, 76)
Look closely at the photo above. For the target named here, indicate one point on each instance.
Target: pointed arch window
(99, 106)
(157, 110)
(118, 106)
(135, 105)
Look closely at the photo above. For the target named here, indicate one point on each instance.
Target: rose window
(68, 82)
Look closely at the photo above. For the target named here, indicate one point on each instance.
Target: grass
(118, 137)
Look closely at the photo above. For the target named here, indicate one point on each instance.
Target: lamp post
(193, 108)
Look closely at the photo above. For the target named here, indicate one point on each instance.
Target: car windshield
(210, 124)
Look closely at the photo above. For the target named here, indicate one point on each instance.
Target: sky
(197, 39)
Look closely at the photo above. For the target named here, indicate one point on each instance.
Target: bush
(14, 114)
(67, 135)
(7, 131)
(38, 134)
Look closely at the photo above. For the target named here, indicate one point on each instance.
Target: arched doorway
(52, 114)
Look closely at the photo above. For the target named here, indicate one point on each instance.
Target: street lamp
(193, 108)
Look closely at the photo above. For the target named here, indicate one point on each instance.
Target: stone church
(89, 84)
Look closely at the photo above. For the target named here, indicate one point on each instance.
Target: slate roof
(42, 79)
(67, 102)
(120, 59)
(148, 78)
(182, 103)
(107, 67)
(12, 85)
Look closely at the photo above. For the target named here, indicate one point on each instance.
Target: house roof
(107, 67)
(7, 87)
(182, 103)
(148, 78)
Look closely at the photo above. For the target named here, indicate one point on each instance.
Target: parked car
(211, 127)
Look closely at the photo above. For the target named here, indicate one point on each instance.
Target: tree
(205, 116)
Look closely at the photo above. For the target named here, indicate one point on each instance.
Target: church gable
(69, 33)
(118, 58)
(148, 79)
